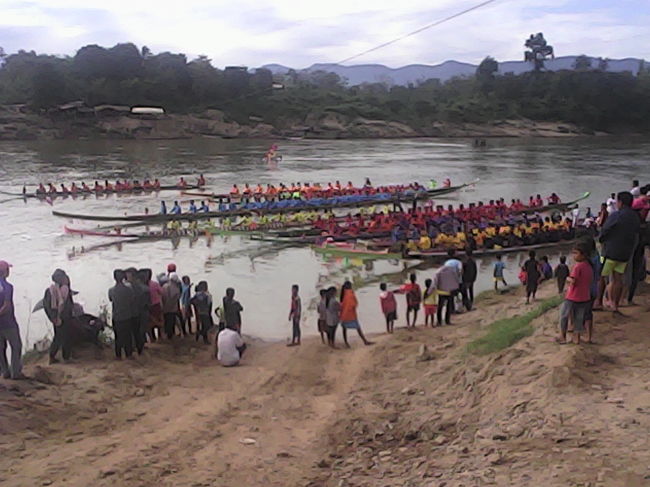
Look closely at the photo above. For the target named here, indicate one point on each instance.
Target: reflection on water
(263, 274)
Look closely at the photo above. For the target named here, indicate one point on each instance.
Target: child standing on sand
(322, 315)
(561, 274)
(577, 303)
(388, 307)
(294, 316)
(499, 267)
(430, 303)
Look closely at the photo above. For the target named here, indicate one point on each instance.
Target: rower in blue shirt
(204, 207)
(163, 208)
(193, 208)
(176, 210)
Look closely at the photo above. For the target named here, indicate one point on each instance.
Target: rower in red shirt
(108, 186)
(73, 188)
(98, 187)
(64, 190)
(156, 184)
(147, 185)
(127, 186)
(182, 183)
(337, 186)
(247, 190)
(259, 190)
(85, 187)
(234, 191)
(554, 199)
(539, 201)
(531, 202)
(51, 189)
(41, 189)
(201, 180)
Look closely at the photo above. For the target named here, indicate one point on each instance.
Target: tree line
(588, 96)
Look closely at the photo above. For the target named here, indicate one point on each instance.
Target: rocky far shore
(24, 125)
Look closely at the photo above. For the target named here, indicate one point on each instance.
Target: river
(34, 241)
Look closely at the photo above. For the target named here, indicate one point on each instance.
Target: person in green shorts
(619, 236)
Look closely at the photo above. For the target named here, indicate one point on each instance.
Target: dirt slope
(537, 414)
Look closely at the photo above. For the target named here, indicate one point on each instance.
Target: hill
(416, 73)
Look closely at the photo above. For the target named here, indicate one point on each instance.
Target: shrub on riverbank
(505, 332)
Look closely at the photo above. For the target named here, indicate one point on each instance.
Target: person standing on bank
(123, 300)
(9, 332)
(140, 312)
(58, 305)
(349, 319)
(232, 311)
(171, 295)
(295, 313)
(470, 272)
(620, 236)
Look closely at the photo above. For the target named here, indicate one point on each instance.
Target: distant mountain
(416, 73)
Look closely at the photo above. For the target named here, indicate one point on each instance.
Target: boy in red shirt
(577, 304)
(413, 299)
(388, 307)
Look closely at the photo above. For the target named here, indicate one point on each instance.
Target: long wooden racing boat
(254, 208)
(439, 254)
(556, 207)
(237, 197)
(355, 252)
(91, 191)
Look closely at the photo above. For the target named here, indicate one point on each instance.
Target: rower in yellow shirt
(425, 242)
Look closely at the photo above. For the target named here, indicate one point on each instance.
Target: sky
(299, 33)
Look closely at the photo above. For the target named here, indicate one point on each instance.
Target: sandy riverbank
(534, 414)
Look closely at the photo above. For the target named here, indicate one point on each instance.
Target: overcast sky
(298, 33)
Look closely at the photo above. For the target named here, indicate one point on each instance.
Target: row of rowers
(384, 217)
(298, 190)
(118, 186)
(400, 224)
(503, 235)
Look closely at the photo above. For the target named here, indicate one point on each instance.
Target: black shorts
(413, 307)
(392, 316)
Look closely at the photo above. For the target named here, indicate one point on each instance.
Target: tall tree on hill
(486, 71)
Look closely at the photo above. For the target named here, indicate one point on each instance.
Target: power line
(421, 29)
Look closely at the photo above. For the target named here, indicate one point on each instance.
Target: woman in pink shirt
(578, 303)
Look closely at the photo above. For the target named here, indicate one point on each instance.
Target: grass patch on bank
(508, 331)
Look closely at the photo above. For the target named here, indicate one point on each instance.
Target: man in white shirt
(636, 189)
(230, 347)
(611, 204)
(576, 216)
(453, 262)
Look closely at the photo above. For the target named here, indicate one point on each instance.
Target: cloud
(299, 33)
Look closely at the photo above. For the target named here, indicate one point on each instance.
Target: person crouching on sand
(230, 346)
(349, 319)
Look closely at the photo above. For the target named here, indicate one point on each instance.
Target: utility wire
(415, 32)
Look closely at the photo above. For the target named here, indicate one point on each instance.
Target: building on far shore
(148, 112)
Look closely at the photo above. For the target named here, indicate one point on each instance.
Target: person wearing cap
(9, 332)
(171, 295)
(58, 305)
